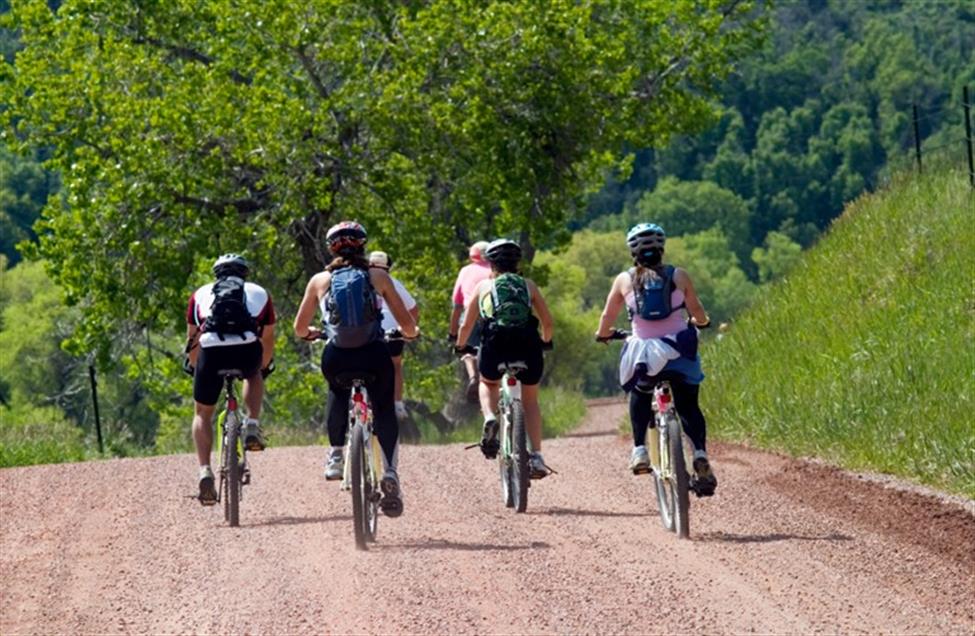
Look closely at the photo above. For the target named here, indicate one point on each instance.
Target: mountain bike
(669, 450)
(233, 469)
(514, 445)
(362, 453)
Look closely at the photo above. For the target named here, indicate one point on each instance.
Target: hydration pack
(228, 312)
(353, 315)
(653, 298)
(511, 301)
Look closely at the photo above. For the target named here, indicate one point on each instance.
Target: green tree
(778, 256)
(24, 188)
(181, 131)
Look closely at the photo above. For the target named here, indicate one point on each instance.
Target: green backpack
(511, 301)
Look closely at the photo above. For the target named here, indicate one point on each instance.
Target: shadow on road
(574, 512)
(443, 544)
(606, 433)
(768, 538)
(294, 521)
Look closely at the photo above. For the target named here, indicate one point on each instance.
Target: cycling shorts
(395, 348)
(207, 384)
(500, 345)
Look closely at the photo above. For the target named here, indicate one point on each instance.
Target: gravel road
(785, 547)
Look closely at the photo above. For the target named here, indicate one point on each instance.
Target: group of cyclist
(498, 316)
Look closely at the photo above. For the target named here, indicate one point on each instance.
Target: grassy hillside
(864, 354)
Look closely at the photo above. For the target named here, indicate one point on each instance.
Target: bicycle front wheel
(231, 507)
(364, 492)
(519, 457)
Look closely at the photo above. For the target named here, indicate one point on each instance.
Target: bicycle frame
(360, 412)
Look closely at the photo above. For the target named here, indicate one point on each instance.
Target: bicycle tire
(682, 521)
(504, 460)
(232, 462)
(373, 492)
(519, 456)
(357, 460)
(672, 486)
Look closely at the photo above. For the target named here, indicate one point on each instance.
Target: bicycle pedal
(246, 478)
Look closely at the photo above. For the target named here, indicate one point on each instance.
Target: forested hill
(810, 122)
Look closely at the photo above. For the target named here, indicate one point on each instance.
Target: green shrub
(38, 435)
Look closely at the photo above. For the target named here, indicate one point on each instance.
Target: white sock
(699, 454)
(490, 416)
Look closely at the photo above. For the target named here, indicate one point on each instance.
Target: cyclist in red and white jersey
(245, 343)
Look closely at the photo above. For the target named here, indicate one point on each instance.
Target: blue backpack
(354, 318)
(653, 299)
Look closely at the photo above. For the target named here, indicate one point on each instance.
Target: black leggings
(372, 358)
(685, 399)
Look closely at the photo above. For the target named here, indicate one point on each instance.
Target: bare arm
(614, 304)
(694, 307)
(314, 291)
(455, 318)
(383, 285)
(471, 313)
(541, 310)
(192, 340)
(267, 345)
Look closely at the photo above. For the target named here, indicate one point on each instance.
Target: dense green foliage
(865, 353)
(180, 131)
(810, 122)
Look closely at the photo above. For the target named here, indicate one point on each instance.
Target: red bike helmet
(346, 237)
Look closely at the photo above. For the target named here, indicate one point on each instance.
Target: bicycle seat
(647, 383)
(233, 373)
(348, 378)
(515, 366)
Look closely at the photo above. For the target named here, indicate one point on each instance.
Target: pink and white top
(469, 277)
(645, 329)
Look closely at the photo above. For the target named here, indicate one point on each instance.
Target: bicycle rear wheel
(231, 508)
(505, 460)
(519, 457)
(672, 486)
(364, 500)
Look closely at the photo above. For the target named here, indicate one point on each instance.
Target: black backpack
(228, 313)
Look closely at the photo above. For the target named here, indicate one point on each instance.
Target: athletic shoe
(489, 439)
(335, 465)
(392, 503)
(640, 461)
(537, 467)
(253, 438)
(208, 493)
(703, 481)
(472, 390)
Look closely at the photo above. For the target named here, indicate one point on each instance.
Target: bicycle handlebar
(618, 334)
(391, 335)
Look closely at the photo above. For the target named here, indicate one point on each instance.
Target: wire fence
(948, 140)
